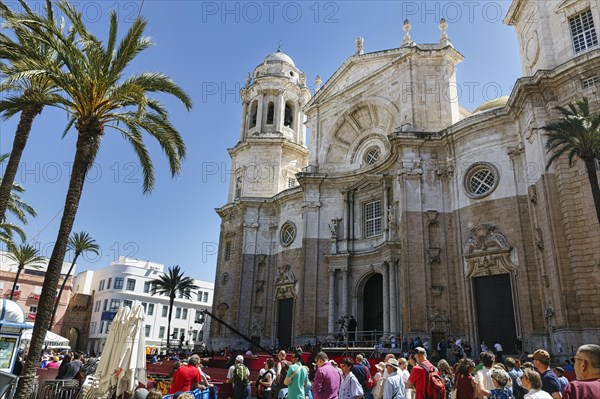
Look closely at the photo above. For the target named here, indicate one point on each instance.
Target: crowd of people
(412, 377)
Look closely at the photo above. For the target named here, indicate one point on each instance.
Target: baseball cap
(540, 355)
(239, 359)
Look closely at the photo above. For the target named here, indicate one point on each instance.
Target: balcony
(34, 296)
(31, 316)
(16, 295)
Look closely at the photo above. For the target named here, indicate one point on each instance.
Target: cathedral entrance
(285, 314)
(373, 304)
(495, 311)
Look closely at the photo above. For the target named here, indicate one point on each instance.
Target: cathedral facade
(405, 210)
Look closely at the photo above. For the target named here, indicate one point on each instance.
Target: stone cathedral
(407, 211)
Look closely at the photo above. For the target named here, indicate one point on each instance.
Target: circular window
(288, 234)
(372, 155)
(225, 278)
(481, 179)
(292, 73)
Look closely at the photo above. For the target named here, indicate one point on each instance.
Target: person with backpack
(239, 376)
(425, 378)
(266, 382)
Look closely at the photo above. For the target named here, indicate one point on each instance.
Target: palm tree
(16, 205)
(23, 255)
(577, 134)
(98, 98)
(170, 284)
(27, 96)
(78, 243)
(7, 232)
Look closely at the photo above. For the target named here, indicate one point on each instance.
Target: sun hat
(393, 363)
(380, 366)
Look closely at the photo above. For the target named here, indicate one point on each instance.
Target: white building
(126, 282)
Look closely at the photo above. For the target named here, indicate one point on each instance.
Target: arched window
(253, 112)
(288, 117)
(270, 113)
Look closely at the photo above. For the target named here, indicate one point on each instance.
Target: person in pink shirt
(53, 364)
(327, 379)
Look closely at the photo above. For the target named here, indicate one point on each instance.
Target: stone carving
(391, 215)
(434, 255)
(532, 194)
(515, 150)
(248, 79)
(286, 275)
(411, 167)
(432, 218)
(539, 239)
(487, 252)
(359, 41)
(285, 283)
(438, 321)
(443, 26)
(257, 329)
(302, 79)
(333, 227)
(406, 28)
(436, 290)
(318, 82)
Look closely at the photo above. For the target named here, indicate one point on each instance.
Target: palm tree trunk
(12, 292)
(62, 287)
(84, 156)
(590, 167)
(171, 303)
(21, 136)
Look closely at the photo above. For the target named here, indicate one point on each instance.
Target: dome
(495, 103)
(280, 56)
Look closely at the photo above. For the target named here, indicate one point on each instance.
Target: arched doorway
(73, 336)
(373, 304)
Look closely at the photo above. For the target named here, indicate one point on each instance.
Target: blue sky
(208, 47)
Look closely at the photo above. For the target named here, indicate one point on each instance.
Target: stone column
(393, 298)
(244, 120)
(297, 123)
(386, 297)
(384, 212)
(259, 113)
(331, 310)
(345, 291)
(279, 112)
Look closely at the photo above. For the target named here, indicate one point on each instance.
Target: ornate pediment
(285, 283)
(487, 252)
(257, 329)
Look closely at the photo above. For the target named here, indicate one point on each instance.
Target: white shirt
(498, 347)
(350, 387)
(537, 394)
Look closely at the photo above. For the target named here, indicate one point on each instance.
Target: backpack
(240, 375)
(435, 386)
(370, 383)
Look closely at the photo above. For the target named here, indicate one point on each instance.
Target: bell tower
(552, 32)
(272, 145)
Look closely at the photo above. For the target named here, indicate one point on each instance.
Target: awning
(52, 340)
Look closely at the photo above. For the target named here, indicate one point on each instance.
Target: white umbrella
(111, 353)
(51, 340)
(133, 360)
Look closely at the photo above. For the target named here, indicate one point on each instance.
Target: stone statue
(406, 28)
(285, 275)
(248, 79)
(391, 215)
(359, 41)
(318, 82)
(443, 26)
(333, 227)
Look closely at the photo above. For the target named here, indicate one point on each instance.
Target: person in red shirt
(418, 376)
(187, 376)
(587, 370)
